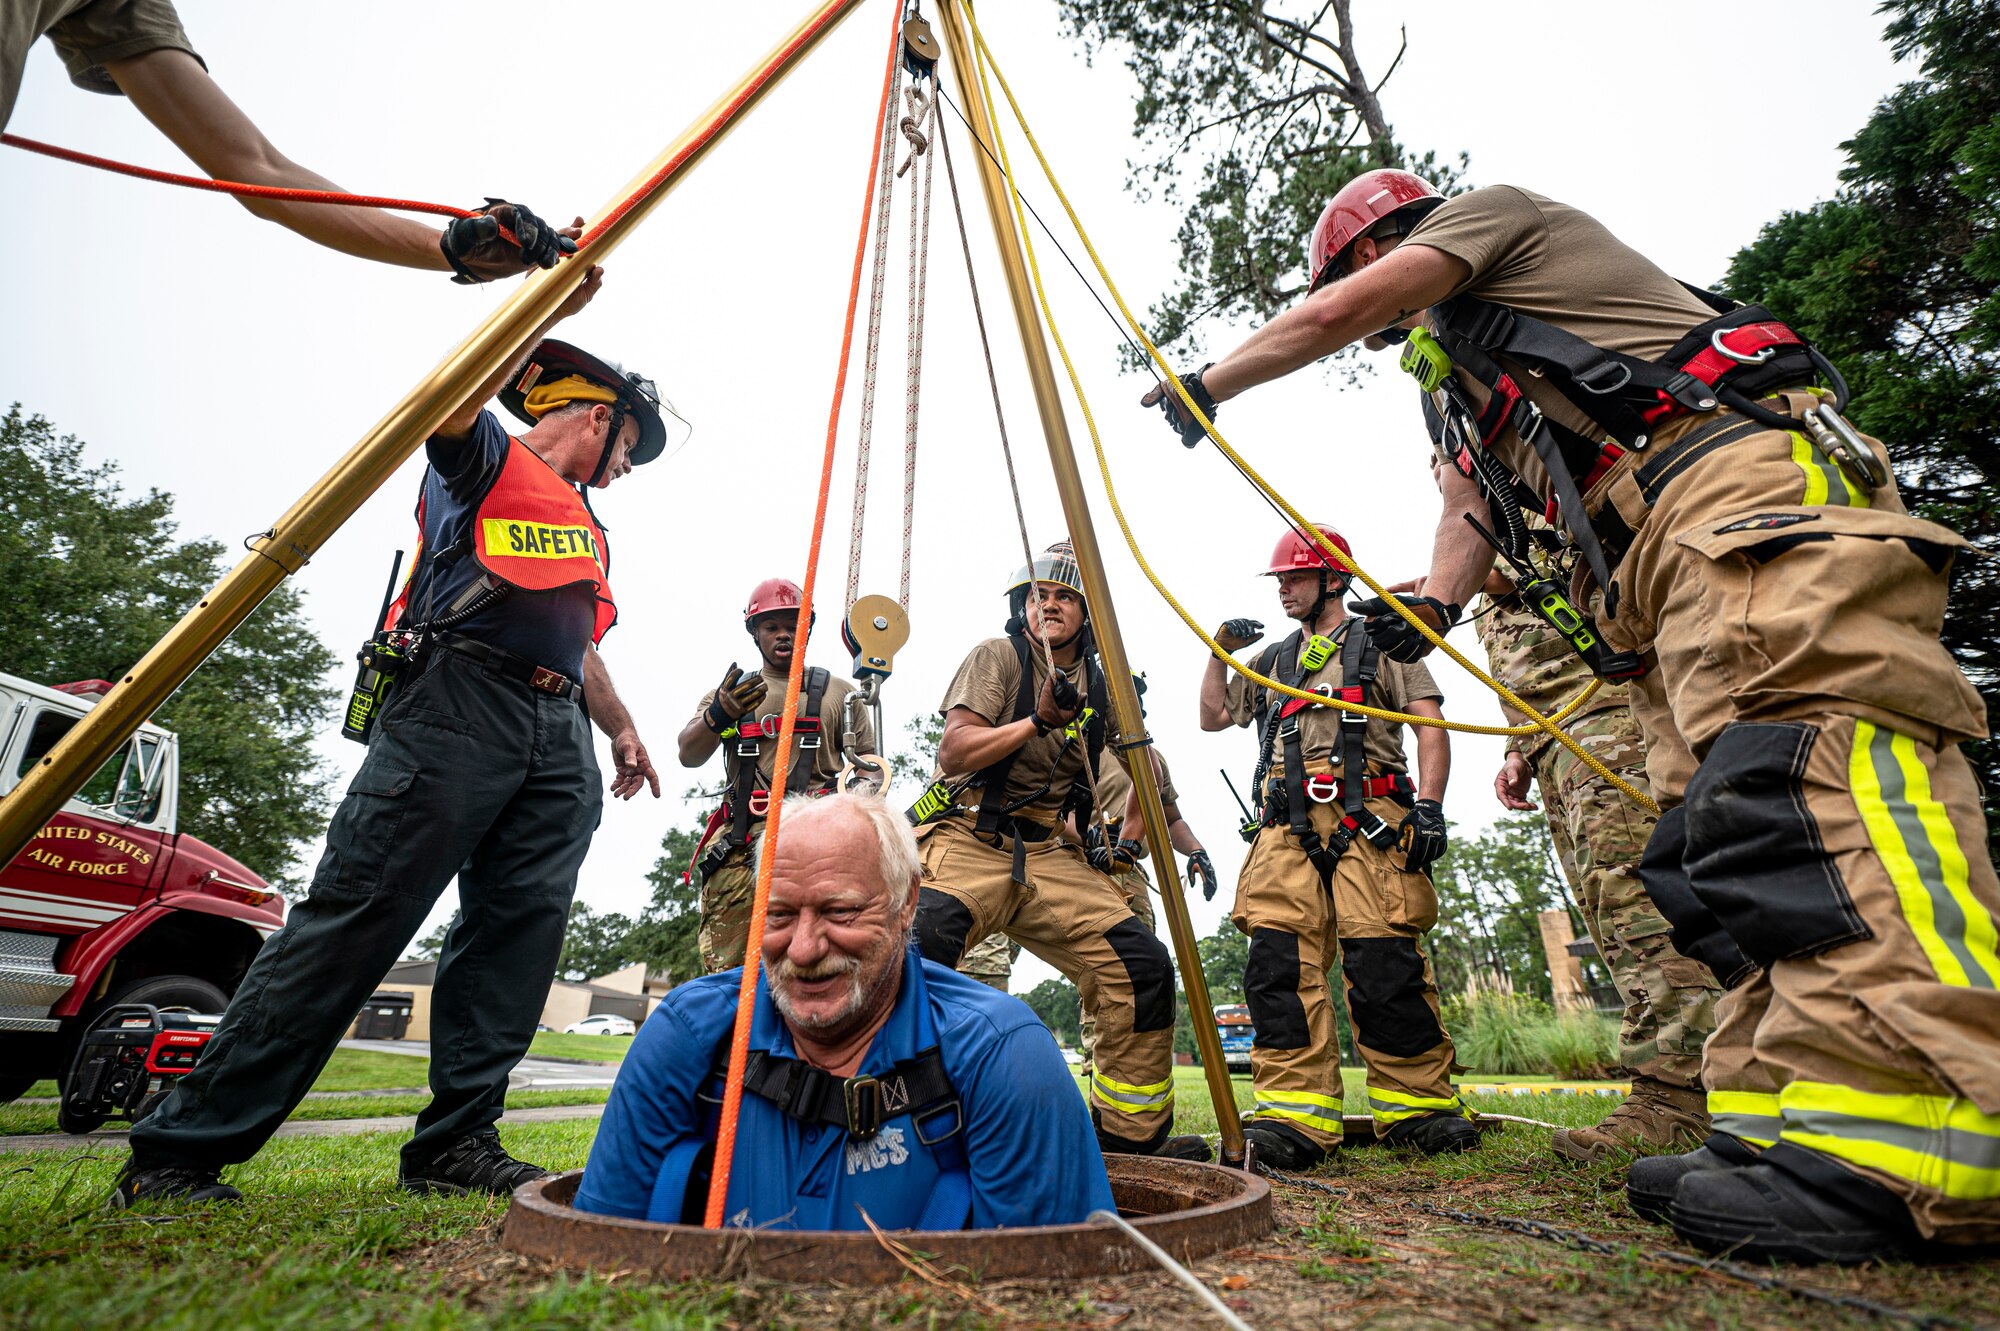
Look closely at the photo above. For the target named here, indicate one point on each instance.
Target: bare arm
(1460, 557)
(970, 742)
(1433, 752)
(634, 768)
(459, 424)
(1215, 696)
(1179, 833)
(172, 90)
(1404, 282)
(698, 743)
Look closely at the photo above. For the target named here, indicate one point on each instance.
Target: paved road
(530, 1074)
(339, 1127)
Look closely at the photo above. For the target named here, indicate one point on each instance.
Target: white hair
(896, 844)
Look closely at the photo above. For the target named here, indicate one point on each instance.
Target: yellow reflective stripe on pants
(1826, 483)
(1751, 1115)
(1934, 1141)
(1307, 1107)
(1394, 1106)
(1913, 834)
(1129, 1099)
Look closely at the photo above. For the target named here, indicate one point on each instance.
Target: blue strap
(950, 1204)
(669, 1201)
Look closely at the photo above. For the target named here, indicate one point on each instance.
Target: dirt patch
(1352, 1249)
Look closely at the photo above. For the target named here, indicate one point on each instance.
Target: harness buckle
(862, 1097)
(1322, 788)
(957, 1112)
(1598, 378)
(1761, 355)
(760, 803)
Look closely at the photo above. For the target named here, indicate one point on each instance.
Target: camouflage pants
(991, 960)
(1599, 835)
(1138, 890)
(726, 897)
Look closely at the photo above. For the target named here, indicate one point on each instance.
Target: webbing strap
(856, 1105)
(993, 778)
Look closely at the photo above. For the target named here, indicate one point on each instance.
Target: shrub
(1517, 1035)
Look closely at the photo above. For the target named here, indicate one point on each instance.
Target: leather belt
(502, 662)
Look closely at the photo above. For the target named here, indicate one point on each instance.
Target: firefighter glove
(477, 252)
(1397, 638)
(1203, 868)
(737, 696)
(1236, 634)
(1422, 836)
(1178, 416)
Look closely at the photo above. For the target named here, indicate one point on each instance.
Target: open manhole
(1189, 1209)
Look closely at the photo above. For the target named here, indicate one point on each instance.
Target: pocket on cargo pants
(1792, 609)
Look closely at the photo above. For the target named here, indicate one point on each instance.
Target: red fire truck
(109, 904)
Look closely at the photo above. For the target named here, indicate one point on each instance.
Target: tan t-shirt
(1396, 686)
(832, 721)
(988, 683)
(1555, 263)
(87, 33)
(1114, 787)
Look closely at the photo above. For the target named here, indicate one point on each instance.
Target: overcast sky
(228, 362)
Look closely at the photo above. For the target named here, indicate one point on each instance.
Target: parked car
(1232, 1024)
(602, 1023)
(1073, 1058)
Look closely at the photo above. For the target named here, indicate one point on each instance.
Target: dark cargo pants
(469, 774)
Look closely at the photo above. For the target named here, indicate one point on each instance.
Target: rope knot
(911, 126)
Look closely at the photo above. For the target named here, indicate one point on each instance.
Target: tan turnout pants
(1370, 924)
(1075, 919)
(1802, 723)
(1137, 890)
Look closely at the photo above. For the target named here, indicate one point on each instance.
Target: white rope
(1174, 1268)
(872, 355)
(912, 127)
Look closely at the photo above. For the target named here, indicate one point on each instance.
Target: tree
(1897, 280)
(1224, 954)
(1253, 113)
(667, 936)
(1056, 1003)
(1492, 888)
(594, 944)
(915, 764)
(94, 579)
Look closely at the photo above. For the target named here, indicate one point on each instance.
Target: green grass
(20, 1120)
(324, 1241)
(596, 1048)
(1515, 1034)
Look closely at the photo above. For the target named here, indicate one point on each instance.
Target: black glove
(469, 241)
(735, 697)
(1202, 867)
(1185, 425)
(1236, 634)
(1394, 635)
(1108, 853)
(1421, 835)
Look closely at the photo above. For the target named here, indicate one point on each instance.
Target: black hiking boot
(171, 1183)
(1793, 1205)
(1437, 1133)
(1650, 1183)
(1186, 1147)
(474, 1163)
(1279, 1146)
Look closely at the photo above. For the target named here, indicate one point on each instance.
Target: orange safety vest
(532, 532)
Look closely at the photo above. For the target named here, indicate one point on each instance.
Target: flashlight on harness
(1552, 606)
(382, 660)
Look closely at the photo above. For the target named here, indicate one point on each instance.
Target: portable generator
(129, 1060)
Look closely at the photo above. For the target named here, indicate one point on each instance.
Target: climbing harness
(1538, 723)
(746, 993)
(729, 826)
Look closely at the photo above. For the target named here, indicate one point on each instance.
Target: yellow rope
(1538, 722)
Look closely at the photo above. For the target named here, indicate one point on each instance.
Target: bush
(1518, 1035)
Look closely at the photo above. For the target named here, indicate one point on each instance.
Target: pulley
(920, 48)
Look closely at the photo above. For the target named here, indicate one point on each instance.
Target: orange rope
(746, 991)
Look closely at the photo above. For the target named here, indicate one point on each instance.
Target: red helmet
(1361, 203)
(771, 596)
(1298, 551)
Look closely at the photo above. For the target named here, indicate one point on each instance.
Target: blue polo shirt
(1027, 1139)
(548, 628)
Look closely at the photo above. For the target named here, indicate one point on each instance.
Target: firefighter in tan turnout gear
(1338, 874)
(1822, 845)
(1599, 835)
(1022, 749)
(740, 717)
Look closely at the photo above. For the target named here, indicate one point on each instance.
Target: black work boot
(1650, 1183)
(171, 1183)
(476, 1162)
(1281, 1146)
(1436, 1133)
(1162, 1143)
(1793, 1205)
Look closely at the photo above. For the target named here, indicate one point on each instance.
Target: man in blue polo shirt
(878, 1083)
